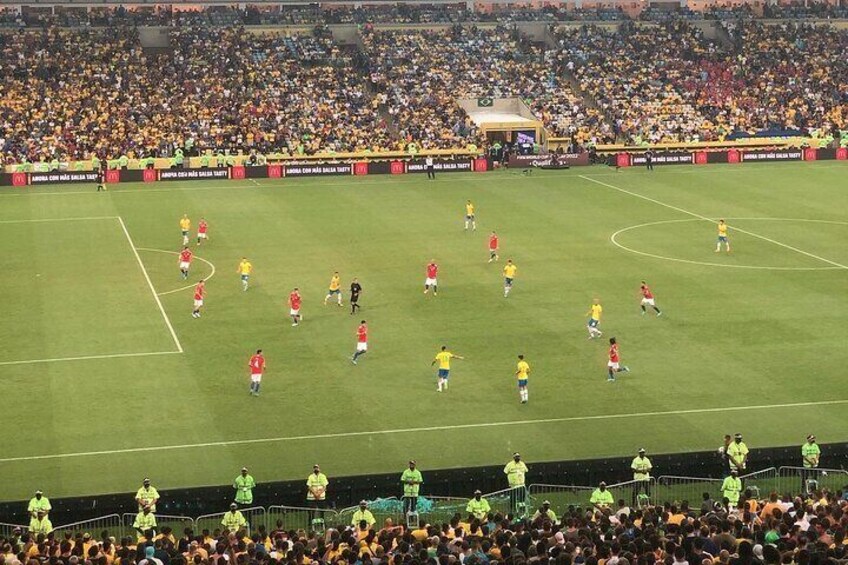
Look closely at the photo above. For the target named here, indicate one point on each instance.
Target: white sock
(445, 386)
(439, 385)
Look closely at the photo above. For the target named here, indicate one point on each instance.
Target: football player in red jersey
(648, 299)
(202, 229)
(432, 280)
(361, 341)
(185, 261)
(613, 366)
(199, 293)
(257, 367)
(493, 247)
(294, 307)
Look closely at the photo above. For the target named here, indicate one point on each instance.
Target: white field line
(150, 284)
(182, 288)
(699, 216)
(44, 220)
(87, 357)
(620, 416)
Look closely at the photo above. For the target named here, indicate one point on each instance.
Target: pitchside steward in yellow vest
(234, 519)
(39, 503)
(147, 496)
(316, 486)
(244, 485)
(478, 506)
(730, 489)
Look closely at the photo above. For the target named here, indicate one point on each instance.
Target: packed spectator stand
(78, 82)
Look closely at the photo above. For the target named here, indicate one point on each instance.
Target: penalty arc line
(182, 288)
(424, 429)
(699, 216)
(150, 285)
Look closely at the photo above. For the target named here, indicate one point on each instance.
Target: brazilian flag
(485, 102)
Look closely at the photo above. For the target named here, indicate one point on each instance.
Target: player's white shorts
(294, 312)
(184, 265)
(198, 303)
(648, 301)
(613, 365)
(430, 282)
(201, 235)
(361, 346)
(255, 378)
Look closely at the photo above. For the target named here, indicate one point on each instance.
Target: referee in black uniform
(355, 291)
(649, 160)
(431, 171)
(101, 179)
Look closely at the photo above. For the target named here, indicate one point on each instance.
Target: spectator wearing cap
(737, 454)
(411, 480)
(478, 507)
(147, 496)
(233, 521)
(40, 524)
(810, 455)
(731, 488)
(516, 471)
(244, 485)
(38, 503)
(601, 498)
(145, 523)
(641, 467)
(363, 515)
(149, 558)
(545, 513)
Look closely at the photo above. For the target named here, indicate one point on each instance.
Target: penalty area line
(150, 285)
(87, 357)
(252, 441)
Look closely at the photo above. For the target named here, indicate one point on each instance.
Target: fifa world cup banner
(549, 160)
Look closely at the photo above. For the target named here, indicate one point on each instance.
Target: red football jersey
(294, 300)
(201, 227)
(646, 292)
(432, 270)
(613, 353)
(198, 291)
(493, 242)
(362, 333)
(257, 364)
(185, 255)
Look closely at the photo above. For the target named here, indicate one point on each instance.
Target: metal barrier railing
(299, 518)
(560, 497)
(255, 515)
(444, 508)
(177, 523)
(111, 524)
(676, 489)
(515, 501)
(760, 483)
(795, 479)
(7, 530)
(382, 509)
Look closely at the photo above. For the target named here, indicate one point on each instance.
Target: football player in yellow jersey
(185, 226)
(722, 237)
(335, 289)
(443, 358)
(509, 274)
(470, 218)
(244, 269)
(522, 371)
(594, 314)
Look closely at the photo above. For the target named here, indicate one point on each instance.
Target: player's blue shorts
(722, 238)
(185, 232)
(522, 383)
(469, 216)
(593, 323)
(444, 373)
(245, 277)
(337, 291)
(507, 281)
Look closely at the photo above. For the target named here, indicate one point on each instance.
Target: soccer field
(107, 378)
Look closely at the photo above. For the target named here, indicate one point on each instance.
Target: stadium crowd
(68, 93)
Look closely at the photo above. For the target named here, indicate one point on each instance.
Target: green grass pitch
(762, 327)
